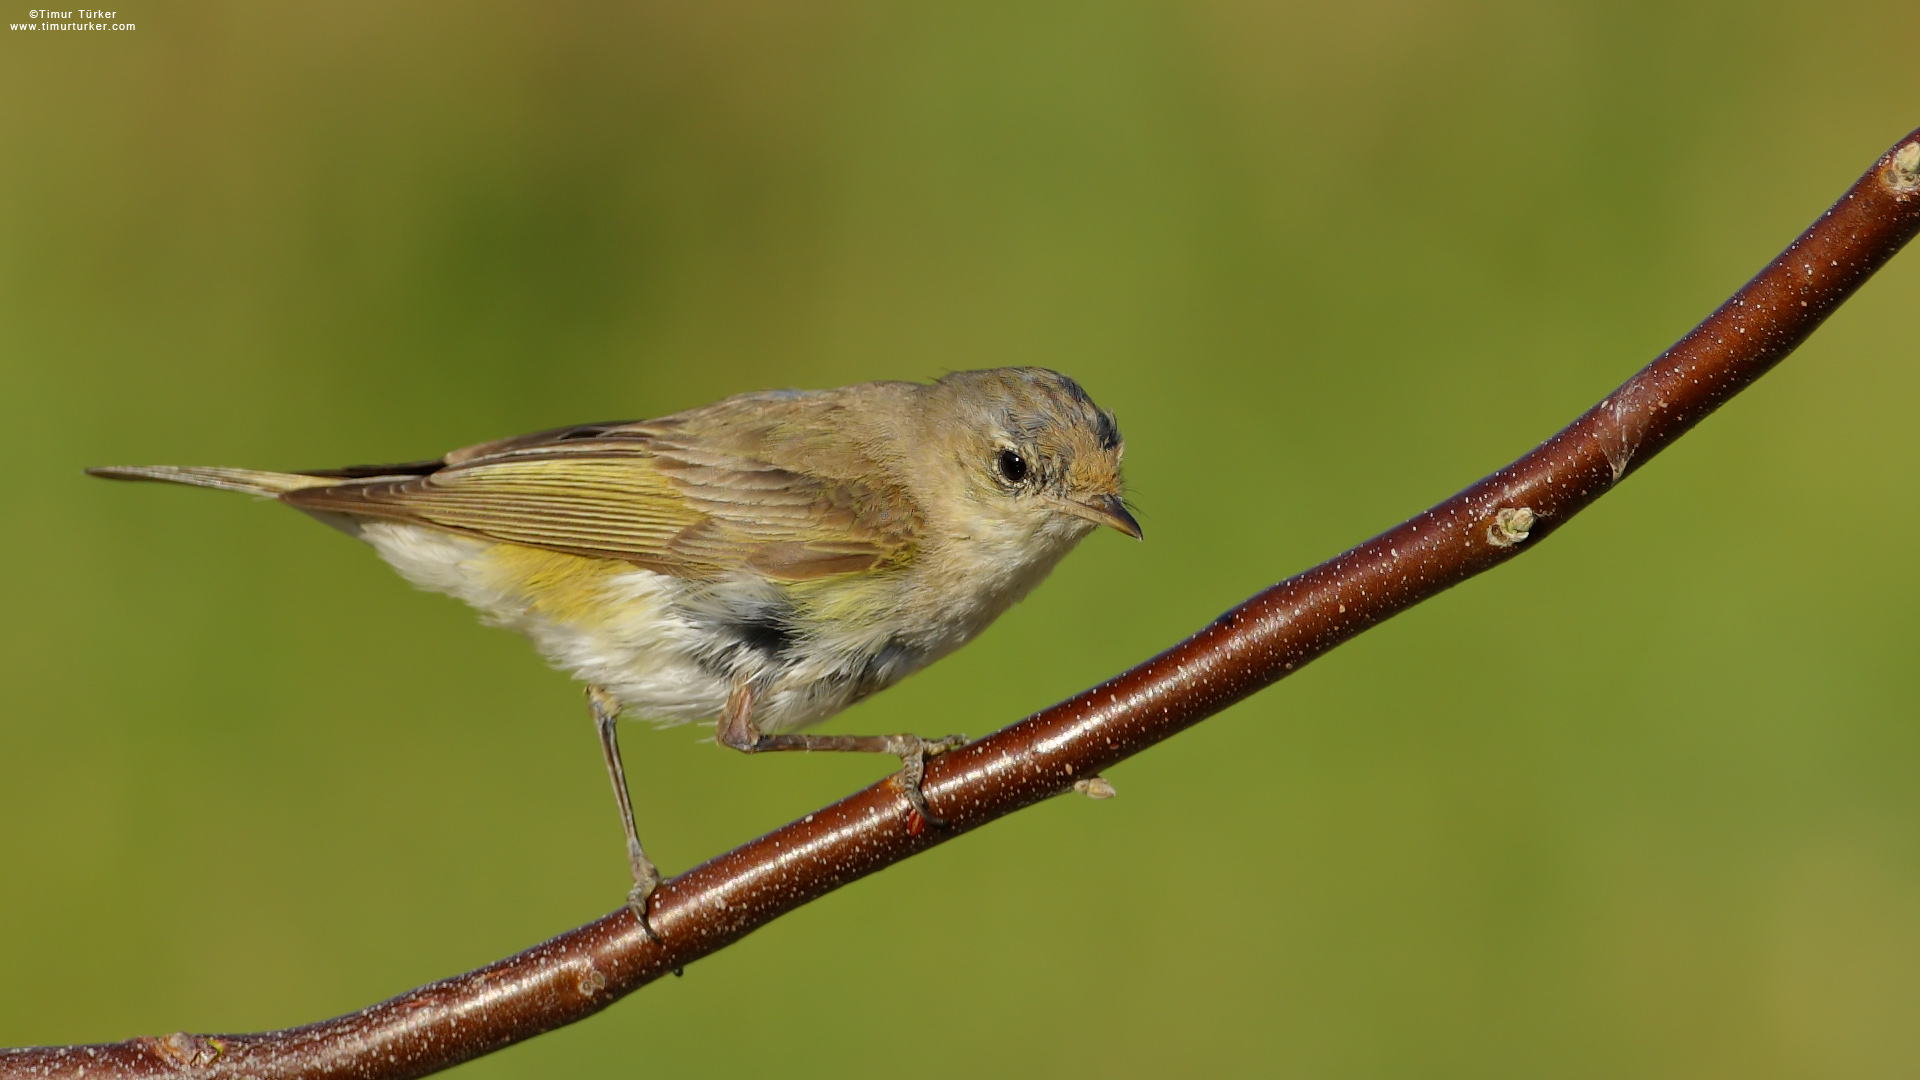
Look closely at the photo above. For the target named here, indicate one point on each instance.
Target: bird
(763, 562)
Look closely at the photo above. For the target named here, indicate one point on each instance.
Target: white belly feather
(651, 643)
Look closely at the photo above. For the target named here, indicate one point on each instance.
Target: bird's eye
(1012, 465)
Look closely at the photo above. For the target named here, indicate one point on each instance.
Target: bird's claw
(914, 752)
(638, 899)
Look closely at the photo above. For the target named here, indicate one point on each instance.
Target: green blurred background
(1642, 803)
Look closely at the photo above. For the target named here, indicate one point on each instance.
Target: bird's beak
(1103, 510)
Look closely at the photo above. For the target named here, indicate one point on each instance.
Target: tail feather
(247, 481)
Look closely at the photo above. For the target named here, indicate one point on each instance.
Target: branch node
(1903, 171)
(1095, 787)
(187, 1051)
(1510, 526)
(591, 981)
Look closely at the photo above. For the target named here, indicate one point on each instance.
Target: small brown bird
(767, 560)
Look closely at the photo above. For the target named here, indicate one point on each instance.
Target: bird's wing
(693, 496)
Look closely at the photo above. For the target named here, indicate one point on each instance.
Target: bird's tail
(248, 481)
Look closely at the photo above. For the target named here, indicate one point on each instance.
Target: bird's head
(1023, 454)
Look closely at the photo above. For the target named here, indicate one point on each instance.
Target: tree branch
(1247, 649)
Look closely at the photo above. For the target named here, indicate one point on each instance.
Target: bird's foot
(638, 899)
(913, 752)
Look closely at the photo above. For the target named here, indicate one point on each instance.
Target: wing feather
(661, 494)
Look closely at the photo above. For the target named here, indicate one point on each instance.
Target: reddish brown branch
(1249, 648)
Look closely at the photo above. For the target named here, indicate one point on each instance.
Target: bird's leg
(646, 878)
(736, 729)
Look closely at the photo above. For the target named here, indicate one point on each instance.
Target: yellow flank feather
(847, 601)
(565, 588)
